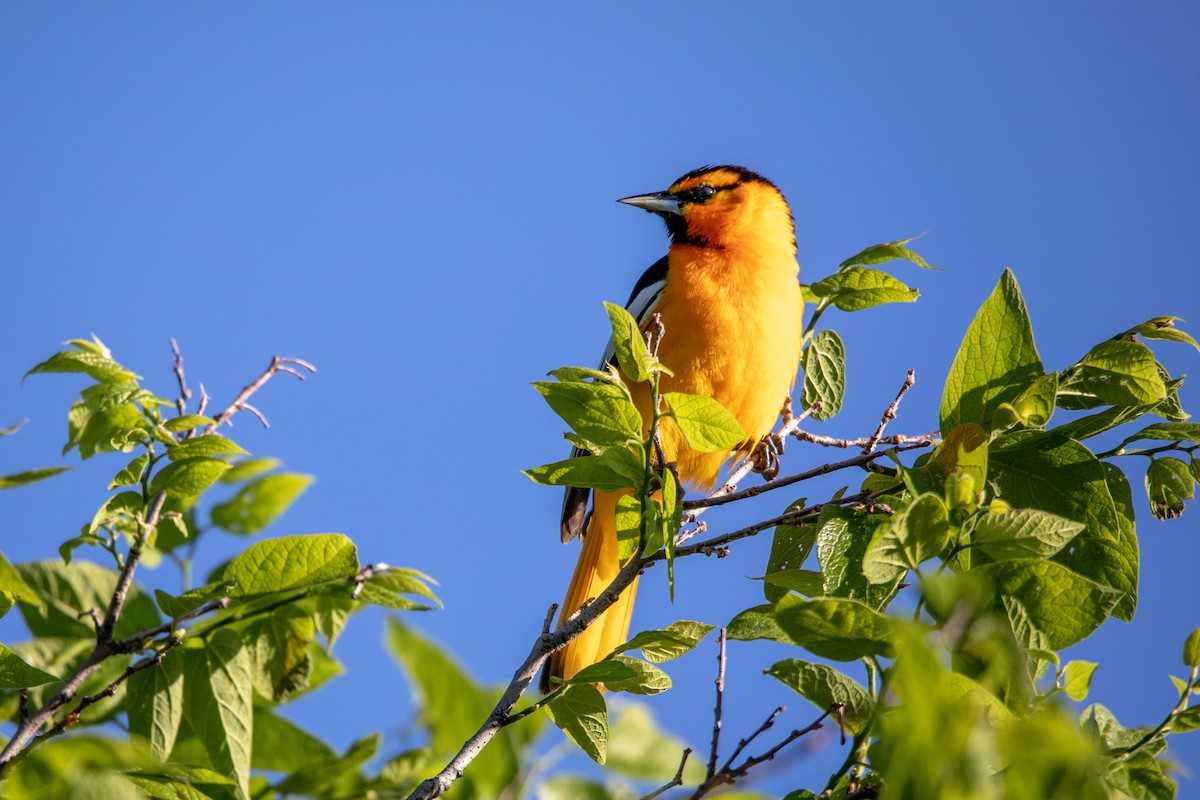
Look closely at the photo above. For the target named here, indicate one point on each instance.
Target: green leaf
(64, 589)
(154, 703)
(615, 469)
(571, 787)
(915, 535)
(824, 363)
(580, 713)
(704, 422)
(248, 468)
(996, 361)
(1186, 720)
(187, 422)
(843, 536)
(1141, 776)
(835, 628)
(808, 582)
(599, 412)
(1095, 424)
(283, 746)
(1191, 649)
(1100, 723)
(176, 607)
(1032, 469)
(1026, 533)
(11, 429)
(388, 588)
(889, 251)
(1032, 408)
(1162, 328)
(260, 502)
(451, 705)
(1169, 483)
(218, 703)
(278, 645)
(29, 476)
(99, 367)
(824, 686)
(667, 643)
(187, 478)
(629, 527)
(625, 674)
(756, 623)
(131, 475)
(672, 507)
(637, 747)
(858, 288)
(790, 547)
(1118, 373)
(211, 444)
(16, 674)
(320, 778)
(628, 344)
(1167, 432)
(1064, 605)
(1077, 679)
(963, 451)
(291, 562)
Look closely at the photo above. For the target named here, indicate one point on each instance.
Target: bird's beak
(656, 203)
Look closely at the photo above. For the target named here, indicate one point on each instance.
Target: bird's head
(720, 207)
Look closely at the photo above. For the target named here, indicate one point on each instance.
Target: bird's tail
(598, 564)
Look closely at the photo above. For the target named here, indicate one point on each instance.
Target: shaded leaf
(824, 686)
(154, 703)
(218, 703)
(824, 364)
(580, 713)
(835, 628)
(16, 674)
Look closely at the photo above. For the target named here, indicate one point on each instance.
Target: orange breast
(733, 326)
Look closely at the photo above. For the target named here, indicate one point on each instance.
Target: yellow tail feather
(597, 566)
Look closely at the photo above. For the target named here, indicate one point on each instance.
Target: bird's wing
(642, 302)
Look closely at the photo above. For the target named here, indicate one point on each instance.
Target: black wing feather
(642, 301)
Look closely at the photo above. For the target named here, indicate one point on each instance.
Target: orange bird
(729, 300)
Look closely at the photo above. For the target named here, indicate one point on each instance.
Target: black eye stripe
(701, 193)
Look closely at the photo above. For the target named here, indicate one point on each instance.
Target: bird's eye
(704, 192)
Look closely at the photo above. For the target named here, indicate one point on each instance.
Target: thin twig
(746, 465)
(729, 774)
(278, 364)
(717, 499)
(889, 413)
(926, 439)
(185, 393)
(716, 734)
(108, 691)
(546, 623)
(676, 781)
(568, 630)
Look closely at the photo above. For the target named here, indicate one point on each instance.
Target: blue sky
(418, 199)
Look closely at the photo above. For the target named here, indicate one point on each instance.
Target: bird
(728, 298)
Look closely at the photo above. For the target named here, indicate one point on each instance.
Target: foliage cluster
(924, 611)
